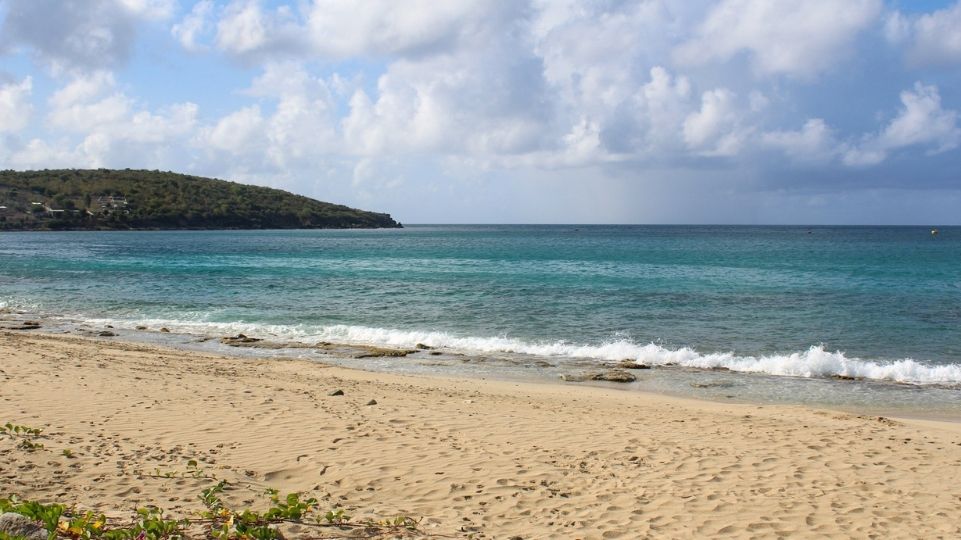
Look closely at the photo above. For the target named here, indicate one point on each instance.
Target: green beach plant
(217, 521)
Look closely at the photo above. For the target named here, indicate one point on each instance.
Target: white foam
(814, 362)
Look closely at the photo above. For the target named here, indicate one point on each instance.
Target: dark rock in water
(108, 326)
(614, 375)
(25, 325)
(712, 385)
(371, 402)
(380, 352)
(165, 330)
(435, 353)
(141, 327)
(542, 363)
(238, 340)
(845, 378)
(423, 347)
(630, 364)
(106, 333)
(17, 526)
(336, 393)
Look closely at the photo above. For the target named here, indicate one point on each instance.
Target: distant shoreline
(212, 229)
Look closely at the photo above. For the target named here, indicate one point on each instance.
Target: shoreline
(853, 395)
(493, 458)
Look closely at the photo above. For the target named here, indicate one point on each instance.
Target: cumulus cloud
(249, 31)
(344, 28)
(189, 30)
(486, 99)
(815, 142)
(929, 38)
(921, 122)
(99, 124)
(780, 36)
(15, 105)
(714, 129)
(240, 132)
(150, 9)
(74, 35)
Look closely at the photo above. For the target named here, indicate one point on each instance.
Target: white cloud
(715, 130)
(193, 25)
(303, 125)
(249, 31)
(150, 9)
(87, 102)
(930, 38)
(344, 28)
(921, 122)
(238, 133)
(814, 142)
(781, 36)
(243, 27)
(38, 153)
(98, 125)
(78, 36)
(15, 105)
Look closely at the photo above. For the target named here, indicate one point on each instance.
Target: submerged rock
(25, 325)
(165, 330)
(712, 385)
(18, 526)
(106, 333)
(423, 347)
(630, 364)
(141, 327)
(238, 340)
(612, 375)
(380, 352)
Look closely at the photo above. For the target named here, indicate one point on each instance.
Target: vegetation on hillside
(138, 199)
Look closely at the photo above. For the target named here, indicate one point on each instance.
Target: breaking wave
(813, 362)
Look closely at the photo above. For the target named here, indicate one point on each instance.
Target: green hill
(134, 199)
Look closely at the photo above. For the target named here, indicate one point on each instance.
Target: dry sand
(498, 459)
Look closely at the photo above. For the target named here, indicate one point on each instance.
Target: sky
(511, 111)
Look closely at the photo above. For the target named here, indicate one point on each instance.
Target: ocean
(867, 318)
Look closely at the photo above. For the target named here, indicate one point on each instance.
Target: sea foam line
(813, 362)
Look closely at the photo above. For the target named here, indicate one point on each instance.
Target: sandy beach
(488, 458)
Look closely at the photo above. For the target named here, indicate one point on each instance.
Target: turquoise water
(878, 303)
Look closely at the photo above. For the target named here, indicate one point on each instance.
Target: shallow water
(783, 308)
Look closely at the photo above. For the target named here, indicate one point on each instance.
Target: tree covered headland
(136, 199)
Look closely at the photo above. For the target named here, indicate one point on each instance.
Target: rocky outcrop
(630, 364)
(239, 340)
(611, 375)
